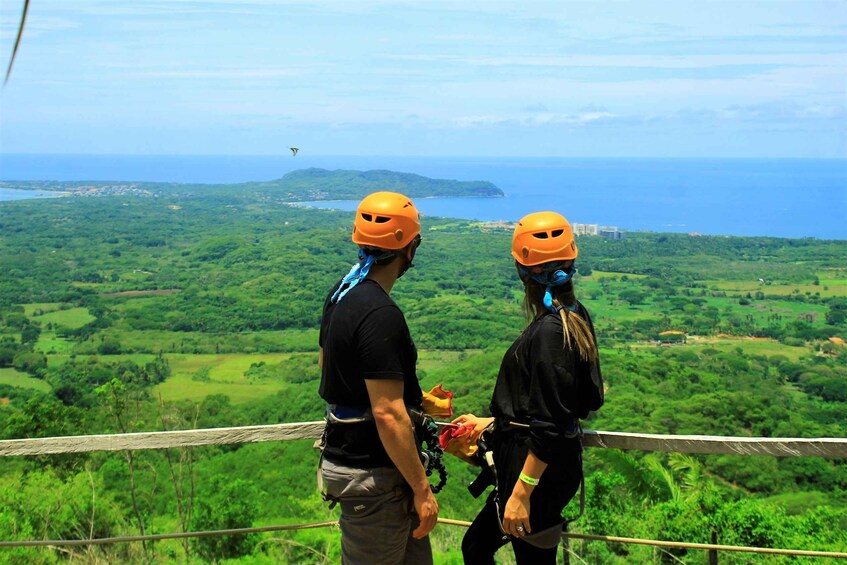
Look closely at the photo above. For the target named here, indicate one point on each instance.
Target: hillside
(134, 314)
(296, 186)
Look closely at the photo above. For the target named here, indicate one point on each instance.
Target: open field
(429, 359)
(222, 374)
(49, 344)
(600, 275)
(72, 318)
(831, 283)
(29, 309)
(225, 373)
(154, 341)
(58, 360)
(183, 387)
(11, 377)
(136, 293)
(750, 346)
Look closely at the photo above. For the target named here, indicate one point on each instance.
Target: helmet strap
(415, 243)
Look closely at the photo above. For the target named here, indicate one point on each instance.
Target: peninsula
(297, 186)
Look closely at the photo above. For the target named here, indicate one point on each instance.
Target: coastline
(15, 194)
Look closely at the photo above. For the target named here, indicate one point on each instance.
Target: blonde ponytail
(577, 333)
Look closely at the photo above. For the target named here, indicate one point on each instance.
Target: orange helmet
(386, 220)
(542, 237)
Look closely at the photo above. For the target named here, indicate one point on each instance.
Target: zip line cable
(17, 42)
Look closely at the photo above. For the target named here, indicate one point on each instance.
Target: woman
(549, 378)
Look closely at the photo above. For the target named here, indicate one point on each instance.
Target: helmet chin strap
(408, 266)
(409, 260)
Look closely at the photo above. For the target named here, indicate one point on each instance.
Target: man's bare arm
(398, 438)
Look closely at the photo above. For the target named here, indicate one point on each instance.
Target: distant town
(109, 190)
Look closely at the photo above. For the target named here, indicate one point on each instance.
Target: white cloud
(227, 74)
(535, 120)
(634, 61)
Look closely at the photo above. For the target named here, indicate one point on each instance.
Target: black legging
(559, 483)
(484, 538)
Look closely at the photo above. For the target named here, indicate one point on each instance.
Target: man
(371, 460)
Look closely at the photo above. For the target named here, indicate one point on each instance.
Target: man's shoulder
(369, 296)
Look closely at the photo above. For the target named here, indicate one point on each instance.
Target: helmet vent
(557, 233)
(378, 219)
(540, 235)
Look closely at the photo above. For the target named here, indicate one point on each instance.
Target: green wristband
(527, 479)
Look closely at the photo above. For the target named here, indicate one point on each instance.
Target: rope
(447, 521)
(686, 545)
(681, 544)
(178, 535)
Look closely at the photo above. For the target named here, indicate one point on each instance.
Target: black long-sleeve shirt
(545, 384)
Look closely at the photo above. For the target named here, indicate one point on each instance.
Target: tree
(837, 313)
(30, 333)
(226, 504)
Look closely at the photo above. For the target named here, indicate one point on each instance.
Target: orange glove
(451, 442)
(438, 402)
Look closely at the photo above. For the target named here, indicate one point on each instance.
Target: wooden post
(713, 553)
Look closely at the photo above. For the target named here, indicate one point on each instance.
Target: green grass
(49, 344)
(72, 318)
(750, 346)
(11, 377)
(153, 341)
(827, 288)
(226, 376)
(598, 275)
(29, 309)
(55, 361)
(429, 359)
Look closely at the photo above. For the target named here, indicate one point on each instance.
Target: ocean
(751, 197)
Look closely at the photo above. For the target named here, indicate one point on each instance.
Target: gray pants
(377, 516)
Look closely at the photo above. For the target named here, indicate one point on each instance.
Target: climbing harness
(432, 456)
(426, 429)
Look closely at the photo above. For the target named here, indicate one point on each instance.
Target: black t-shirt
(545, 384)
(363, 336)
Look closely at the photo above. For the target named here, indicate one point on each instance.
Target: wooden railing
(832, 448)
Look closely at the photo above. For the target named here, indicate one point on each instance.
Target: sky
(765, 78)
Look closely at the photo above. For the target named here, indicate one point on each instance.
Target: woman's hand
(479, 425)
(516, 515)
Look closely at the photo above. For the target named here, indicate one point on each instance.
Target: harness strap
(431, 453)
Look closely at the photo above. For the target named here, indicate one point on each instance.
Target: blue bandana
(550, 279)
(356, 275)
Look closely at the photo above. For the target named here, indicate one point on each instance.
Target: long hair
(577, 332)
